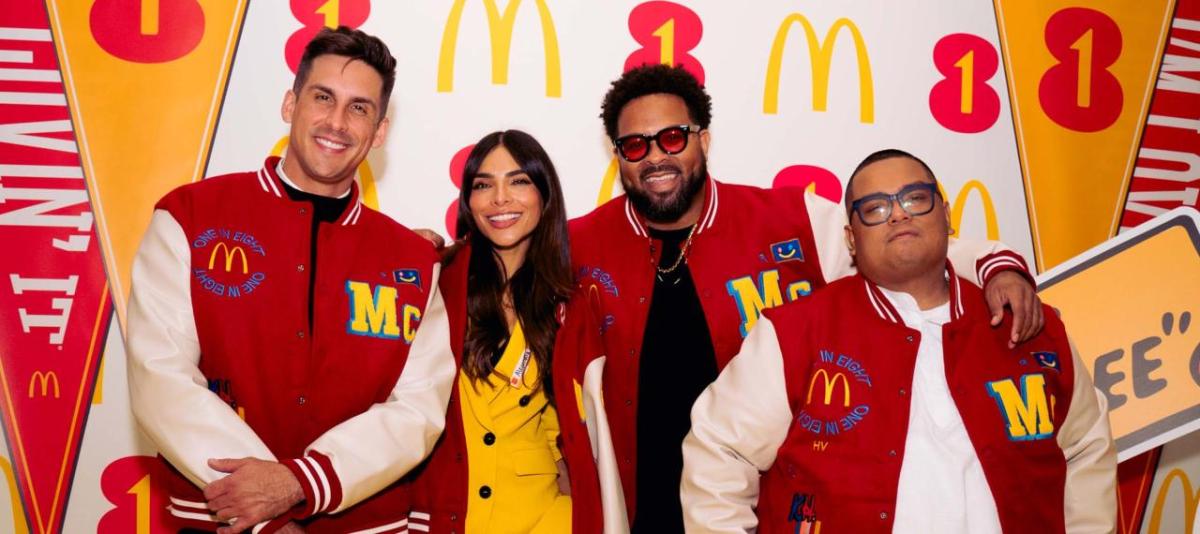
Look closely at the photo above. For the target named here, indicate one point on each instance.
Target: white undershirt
(942, 487)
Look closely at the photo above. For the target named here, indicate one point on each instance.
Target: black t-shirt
(325, 210)
(676, 364)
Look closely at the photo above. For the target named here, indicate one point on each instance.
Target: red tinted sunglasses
(671, 140)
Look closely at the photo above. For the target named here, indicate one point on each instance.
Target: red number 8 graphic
(667, 32)
(457, 164)
(147, 31)
(963, 101)
(317, 14)
(1079, 92)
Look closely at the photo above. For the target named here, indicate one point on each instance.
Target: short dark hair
(877, 156)
(656, 79)
(356, 45)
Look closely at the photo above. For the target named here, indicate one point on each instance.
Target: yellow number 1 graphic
(666, 42)
(1083, 46)
(966, 66)
(149, 17)
(141, 491)
(330, 11)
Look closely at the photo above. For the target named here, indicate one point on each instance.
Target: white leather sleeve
(169, 396)
(1085, 438)
(738, 425)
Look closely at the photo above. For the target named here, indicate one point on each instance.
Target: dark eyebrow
(902, 188)
(508, 174)
(354, 100)
(362, 100)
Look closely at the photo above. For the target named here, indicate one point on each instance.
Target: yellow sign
(1132, 308)
(230, 254)
(821, 56)
(500, 29)
(830, 384)
(1080, 80)
(130, 76)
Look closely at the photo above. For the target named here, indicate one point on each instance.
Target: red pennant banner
(1167, 174)
(54, 302)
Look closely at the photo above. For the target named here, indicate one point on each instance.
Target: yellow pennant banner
(1080, 80)
(142, 74)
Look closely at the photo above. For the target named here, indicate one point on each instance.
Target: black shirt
(676, 364)
(325, 210)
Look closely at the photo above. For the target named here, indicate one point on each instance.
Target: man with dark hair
(887, 403)
(274, 354)
(679, 270)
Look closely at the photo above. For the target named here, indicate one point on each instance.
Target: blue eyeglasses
(914, 199)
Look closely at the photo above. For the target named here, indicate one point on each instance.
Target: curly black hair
(656, 79)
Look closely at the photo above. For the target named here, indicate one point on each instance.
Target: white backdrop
(594, 41)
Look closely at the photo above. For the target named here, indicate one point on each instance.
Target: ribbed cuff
(1005, 260)
(322, 490)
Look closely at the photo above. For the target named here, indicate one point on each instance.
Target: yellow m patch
(372, 312)
(752, 297)
(1027, 410)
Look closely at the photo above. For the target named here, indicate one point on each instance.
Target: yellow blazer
(511, 434)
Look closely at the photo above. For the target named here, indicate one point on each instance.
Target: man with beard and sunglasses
(678, 271)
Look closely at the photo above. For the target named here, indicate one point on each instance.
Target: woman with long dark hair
(498, 467)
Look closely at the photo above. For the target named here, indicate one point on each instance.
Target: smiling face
(905, 246)
(787, 250)
(336, 120)
(665, 188)
(506, 205)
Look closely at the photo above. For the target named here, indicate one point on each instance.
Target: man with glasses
(679, 270)
(887, 402)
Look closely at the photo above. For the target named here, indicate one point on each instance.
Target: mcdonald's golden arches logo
(500, 29)
(830, 384)
(45, 379)
(959, 204)
(230, 255)
(820, 54)
(1191, 500)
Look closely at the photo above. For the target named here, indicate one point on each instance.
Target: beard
(667, 208)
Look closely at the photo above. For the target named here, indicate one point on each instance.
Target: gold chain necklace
(683, 251)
